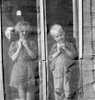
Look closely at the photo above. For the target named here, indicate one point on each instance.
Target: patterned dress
(24, 67)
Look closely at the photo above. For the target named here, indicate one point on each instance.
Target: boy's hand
(58, 47)
(63, 46)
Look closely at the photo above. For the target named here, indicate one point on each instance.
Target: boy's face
(59, 36)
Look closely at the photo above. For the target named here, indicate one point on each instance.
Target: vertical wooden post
(77, 34)
(1, 71)
(80, 29)
(75, 18)
(75, 21)
(80, 26)
(42, 21)
(39, 49)
(42, 35)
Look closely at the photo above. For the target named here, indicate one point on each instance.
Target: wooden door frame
(1, 61)
(77, 24)
(77, 32)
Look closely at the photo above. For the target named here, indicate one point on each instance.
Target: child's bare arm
(72, 52)
(15, 55)
(31, 48)
(54, 53)
(14, 50)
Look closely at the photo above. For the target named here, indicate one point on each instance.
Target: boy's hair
(20, 24)
(56, 27)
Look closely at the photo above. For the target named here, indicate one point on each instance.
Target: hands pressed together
(60, 46)
(23, 42)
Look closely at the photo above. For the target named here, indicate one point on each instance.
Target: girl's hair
(56, 27)
(26, 25)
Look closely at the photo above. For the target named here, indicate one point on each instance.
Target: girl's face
(23, 33)
(59, 36)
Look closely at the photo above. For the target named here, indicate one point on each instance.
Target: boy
(63, 55)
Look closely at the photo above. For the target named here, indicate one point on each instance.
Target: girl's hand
(20, 43)
(24, 42)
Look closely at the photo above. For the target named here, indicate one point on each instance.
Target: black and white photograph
(47, 50)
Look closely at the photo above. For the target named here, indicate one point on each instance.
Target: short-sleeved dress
(24, 67)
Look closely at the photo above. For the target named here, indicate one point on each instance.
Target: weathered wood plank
(86, 6)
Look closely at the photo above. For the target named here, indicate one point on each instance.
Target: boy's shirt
(63, 59)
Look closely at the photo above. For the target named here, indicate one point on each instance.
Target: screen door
(27, 33)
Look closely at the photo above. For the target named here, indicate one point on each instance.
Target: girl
(24, 53)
